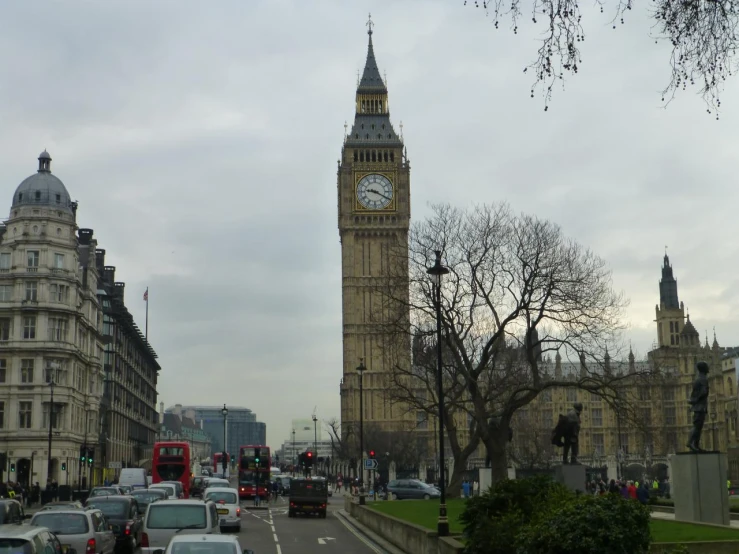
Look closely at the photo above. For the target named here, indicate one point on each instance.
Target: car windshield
(15, 546)
(107, 491)
(169, 516)
(225, 497)
(146, 497)
(204, 548)
(115, 510)
(62, 524)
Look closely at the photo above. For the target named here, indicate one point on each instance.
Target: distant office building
(305, 436)
(242, 426)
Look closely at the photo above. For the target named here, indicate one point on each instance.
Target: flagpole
(146, 327)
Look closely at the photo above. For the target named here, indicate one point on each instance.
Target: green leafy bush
(539, 516)
(605, 524)
(493, 520)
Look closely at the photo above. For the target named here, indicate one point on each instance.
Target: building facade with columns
(50, 333)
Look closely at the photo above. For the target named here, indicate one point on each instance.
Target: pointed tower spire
(558, 365)
(371, 80)
(668, 286)
(715, 342)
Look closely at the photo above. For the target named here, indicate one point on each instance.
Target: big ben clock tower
(374, 215)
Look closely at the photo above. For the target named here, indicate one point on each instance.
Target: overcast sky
(201, 139)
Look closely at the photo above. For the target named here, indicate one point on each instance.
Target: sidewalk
(663, 515)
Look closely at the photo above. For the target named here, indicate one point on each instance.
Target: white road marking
(279, 550)
(275, 536)
(273, 528)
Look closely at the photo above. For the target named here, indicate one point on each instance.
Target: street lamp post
(361, 369)
(224, 462)
(437, 272)
(315, 436)
(51, 419)
(295, 454)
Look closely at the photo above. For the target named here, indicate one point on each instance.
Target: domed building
(50, 333)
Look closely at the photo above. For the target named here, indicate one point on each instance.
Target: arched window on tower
(356, 156)
(361, 156)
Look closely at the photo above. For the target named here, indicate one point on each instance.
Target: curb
(350, 522)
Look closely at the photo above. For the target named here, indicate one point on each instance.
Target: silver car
(82, 530)
(216, 544)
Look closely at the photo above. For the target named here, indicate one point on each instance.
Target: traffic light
(83, 454)
(309, 459)
(64, 466)
(371, 453)
(12, 467)
(257, 453)
(90, 456)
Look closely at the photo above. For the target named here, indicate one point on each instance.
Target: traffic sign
(370, 463)
(114, 465)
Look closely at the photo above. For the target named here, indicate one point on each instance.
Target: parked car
(227, 506)
(412, 489)
(11, 511)
(84, 530)
(30, 539)
(144, 497)
(166, 518)
(122, 512)
(223, 544)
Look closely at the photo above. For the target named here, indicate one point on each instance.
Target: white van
(166, 518)
(134, 477)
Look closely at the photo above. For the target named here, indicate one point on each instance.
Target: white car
(217, 482)
(227, 505)
(166, 519)
(187, 544)
(170, 489)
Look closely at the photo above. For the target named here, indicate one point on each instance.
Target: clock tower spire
(374, 217)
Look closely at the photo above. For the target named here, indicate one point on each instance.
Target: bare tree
(516, 289)
(702, 34)
(341, 440)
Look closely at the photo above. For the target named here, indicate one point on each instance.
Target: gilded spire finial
(401, 130)
(370, 24)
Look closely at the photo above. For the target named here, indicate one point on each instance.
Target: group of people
(27, 497)
(634, 490)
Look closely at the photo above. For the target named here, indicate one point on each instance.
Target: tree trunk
(455, 482)
(496, 450)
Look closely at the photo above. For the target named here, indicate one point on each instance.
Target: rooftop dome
(43, 188)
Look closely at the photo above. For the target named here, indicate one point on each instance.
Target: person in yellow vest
(728, 484)
(11, 493)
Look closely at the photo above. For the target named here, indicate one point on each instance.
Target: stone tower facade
(374, 217)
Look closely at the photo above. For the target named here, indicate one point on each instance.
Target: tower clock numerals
(375, 192)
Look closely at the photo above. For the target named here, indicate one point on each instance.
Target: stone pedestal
(571, 476)
(699, 487)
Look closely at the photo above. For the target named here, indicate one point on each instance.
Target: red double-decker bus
(218, 465)
(171, 462)
(254, 465)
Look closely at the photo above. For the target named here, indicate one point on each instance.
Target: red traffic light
(372, 453)
(310, 454)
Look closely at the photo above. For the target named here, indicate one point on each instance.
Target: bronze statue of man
(699, 406)
(567, 432)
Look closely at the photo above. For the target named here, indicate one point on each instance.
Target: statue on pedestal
(699, 406)
(566, 434)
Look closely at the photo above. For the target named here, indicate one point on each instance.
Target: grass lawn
(672, 531)
(422, 512)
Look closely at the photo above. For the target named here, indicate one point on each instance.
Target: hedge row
(539, 516)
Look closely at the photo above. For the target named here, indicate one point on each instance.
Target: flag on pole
(146, 295)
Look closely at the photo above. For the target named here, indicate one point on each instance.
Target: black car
(122, 512)
(11, 511)
(144, 497)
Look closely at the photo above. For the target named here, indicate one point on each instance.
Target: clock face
(375, 192)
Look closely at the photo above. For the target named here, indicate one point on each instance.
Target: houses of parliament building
(657, 421)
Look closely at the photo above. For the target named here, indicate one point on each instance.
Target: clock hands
(379, 194)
